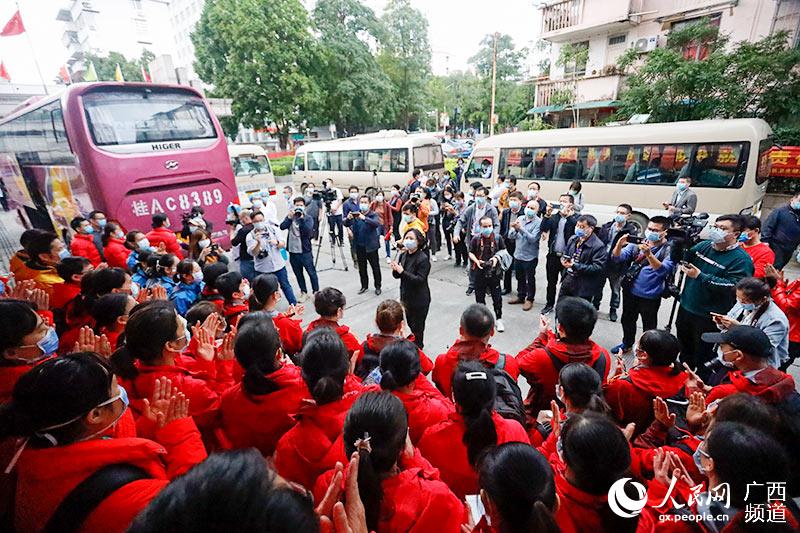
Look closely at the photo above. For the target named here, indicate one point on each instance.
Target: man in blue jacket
(782, 231)
(298, 244)
(364, 224)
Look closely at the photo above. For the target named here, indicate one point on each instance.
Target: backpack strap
(73, 510)
(501, 362)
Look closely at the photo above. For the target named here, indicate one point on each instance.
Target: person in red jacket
(72, 270)
(760, 252)
(518, 491)
(631, 394)
(83, 242)
(264, 296)
(329, 304)
(456, 445)
(161, 234)
(314, 445)
(110, 313)
(65, 408)
(542, 360)
(400, 373)
(475, 331)
(235, 290)
(787, 297)
(114, 249)
(258, 411)
(390, 319)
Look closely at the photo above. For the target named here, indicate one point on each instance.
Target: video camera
(327, 196)
(682, 236)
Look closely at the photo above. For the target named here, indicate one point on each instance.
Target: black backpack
(508, 402)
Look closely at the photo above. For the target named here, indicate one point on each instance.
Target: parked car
(456, 148)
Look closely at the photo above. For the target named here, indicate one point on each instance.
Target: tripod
(332, 239)
(675, 301)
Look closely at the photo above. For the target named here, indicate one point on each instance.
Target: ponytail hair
(150, 326)
(325, 365)
(582, 385)
(474, 392)
(399, 363)
(257, 342)
(263, 287)
(521, 484)
(108, 308)
(376, 427)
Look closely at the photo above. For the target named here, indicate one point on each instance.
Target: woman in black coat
(412, 269)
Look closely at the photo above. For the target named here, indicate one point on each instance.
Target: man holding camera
(363, 225)
(469, 222)
(559, 221)
(610, 233)
(264, 244)
(298, 244)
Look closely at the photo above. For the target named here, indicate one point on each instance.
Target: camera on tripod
(326, 195)
(682, 236)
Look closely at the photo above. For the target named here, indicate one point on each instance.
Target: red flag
(146, 75)
(14, 26)
(64, 74)
(3, 72)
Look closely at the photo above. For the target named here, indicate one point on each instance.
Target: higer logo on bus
(157, 147)
(623, 505)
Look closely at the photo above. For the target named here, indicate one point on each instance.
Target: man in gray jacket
(469, 222)
(525, 231)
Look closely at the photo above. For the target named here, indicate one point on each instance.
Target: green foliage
(534, 123)
(105, 66)
(260, 53)
(573, 55)
(282, 166)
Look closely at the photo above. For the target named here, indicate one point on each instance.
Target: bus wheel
(371, 192)
(640, 221)
(303, 187)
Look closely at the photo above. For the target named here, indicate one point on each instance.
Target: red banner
(785, 162)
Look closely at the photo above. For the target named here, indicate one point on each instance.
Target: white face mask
(204, 243)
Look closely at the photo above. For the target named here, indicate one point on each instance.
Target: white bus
(251, 169)
(371, 161)
(637, 164)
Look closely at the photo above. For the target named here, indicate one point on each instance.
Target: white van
(251, 169)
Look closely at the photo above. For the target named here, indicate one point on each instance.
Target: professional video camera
(684, 234)
(326, 195)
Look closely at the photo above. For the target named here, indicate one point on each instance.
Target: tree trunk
(283, 137)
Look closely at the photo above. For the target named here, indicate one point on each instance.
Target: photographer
(264, 244)
(712, 268)
(351, 206)
(610, 233)
(313, 207)
(363, 224)
(246, 267)
(298, 244)
(559, 223)
(486, 267)
(585, 261)
(645, 268)
(334, 208)
(203, 250)
(469, 223)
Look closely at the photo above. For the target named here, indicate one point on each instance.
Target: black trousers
(462, 254)
(526, 276)
(554, 270)
(487, 282)
(782, 255)
(362, 257)
(794, 352)
(510, 247)
(336, 228)
(632, 308)
(416, 314)
(695, 352)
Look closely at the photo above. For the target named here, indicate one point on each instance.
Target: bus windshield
(247, 165)
(118, 117)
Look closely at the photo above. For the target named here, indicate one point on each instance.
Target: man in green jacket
(712, 269)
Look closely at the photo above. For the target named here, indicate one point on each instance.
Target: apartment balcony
(592, 91)
(570, 20)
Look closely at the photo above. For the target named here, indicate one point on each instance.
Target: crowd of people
(149, 384)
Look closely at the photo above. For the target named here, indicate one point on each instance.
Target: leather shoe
(612, 315)
(362, 290)
(547, 309)
(506, 291)
(527, 306)
(378, 291)
(516, 301)
(470, 290)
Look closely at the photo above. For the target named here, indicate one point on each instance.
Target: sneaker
(470, 290)
(516, 301)
(362, 290)
(378, 291)
(499, 326)
(447, 258)
(612, 315)
(547, 310)
(433, 258)
(527, 306)
(388, 260)
(621, 348)
(303, 297)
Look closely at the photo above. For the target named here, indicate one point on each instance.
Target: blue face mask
(486, 231)
(88, 230)
(407, 218)
(743, 237)
(530, 213)
(102, 222)
(796, 206)
(480, 201)
(652, 236)
(681, 186)
(363, 207)
(697, 462)
(410, 244)
(49, 343)
(513, 205)
(580, 232)
(748, 307)
(717, 235)
(619, 219)
(63, 254)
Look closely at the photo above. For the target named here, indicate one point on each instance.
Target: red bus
(131, 150)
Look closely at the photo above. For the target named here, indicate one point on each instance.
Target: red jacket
(291, 333)
(260, 421)
(771, 385)
(426, 407)
(233, 312)
(541, 368)
(631, 396)
(350, 340)
(158, 235)
(47, 475)
(9, 376)
(443, 446)
(314, 444)
(761, 255)
(64, 293)
(787, 297)
(116, 253)
(468, 350)
(375, 342)
(83, 246)
(212, 295)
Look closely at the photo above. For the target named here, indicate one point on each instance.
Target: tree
(572, 57)
(356, 93)
(260, 53)
(511, 97)
(405, 57)
(131, 68)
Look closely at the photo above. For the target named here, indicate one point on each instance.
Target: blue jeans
(247, 269)
(286, 287)
(305, 261)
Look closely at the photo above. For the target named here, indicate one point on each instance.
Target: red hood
(377, 341)
(771, 385)
(324, 322)
(471, 350)
(657, 381)
(9, 376)
(574, 353)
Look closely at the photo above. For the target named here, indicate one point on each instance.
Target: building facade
(183, 17)
(607, 28)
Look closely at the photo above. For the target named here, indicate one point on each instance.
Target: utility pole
(494, 81)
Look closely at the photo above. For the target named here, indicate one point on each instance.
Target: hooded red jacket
(787, 297)
(291, 333)
(83, 246)
(116, 253)
(259, 421)
(468, 350)
(376, 342)
(631, 396)
(233, 312)
(64, 293)
(9, 375)
(425, 407)
(539, 368)
(314, 444)
(158, 235)
(443, 446)
(771, 385)
(350, 340)
(47, 475)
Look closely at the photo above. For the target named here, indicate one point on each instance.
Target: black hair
(213, 271)
(576, 186)
(538, 185)
(388, 316)
(95, 284)
(662, 348)
(626, 207)
(200, 311)
(664, 222)
(475, 396)
(756, 289)
(164, 262)
(521, 484)
(263, 286)
(749, 410)
(416, 172)
(227, 284)
(18, 319)
(584, 388)
(108, 308)
(109, 231)
(71, 266)
(589, 220)
(751, 222)
(410, 206)
(325, 364)
(40, 243)
(299, 199)
(328, 301)
(76, 222)
(577, 317)
(95, 213)
(382, 418)
(399, 362)
(244, 496)
(568, 196)
(477, 321)
(352, 187)
(735, 220)
(55, 392)
(186, 267)
(159, 220)
(130, 239)
(150, 326)
(257, 342)
(28, 235)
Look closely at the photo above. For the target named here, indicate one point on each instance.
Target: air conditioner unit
(646, 44)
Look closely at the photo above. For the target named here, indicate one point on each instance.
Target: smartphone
(684, 263)
(717, 315)
(555, 205)
(635, 239)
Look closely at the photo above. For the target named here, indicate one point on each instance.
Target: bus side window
(598, 164)
(570, 163)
